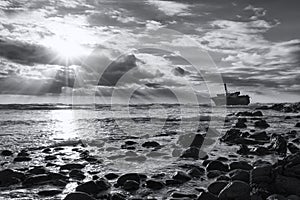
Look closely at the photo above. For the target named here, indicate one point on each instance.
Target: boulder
(126, 177)
(131, 185)
(6, 153)
(9, 177)
(236, 190)
(217, 165)
(231, 135)
(297, 125)
(88, 187)
(150, 144)
(292, 148)
(260, 136)
(72, 166)
(78, 196)
(240, 165)
(216, 187)
(154, 185)
(103, 184)
(214, 174)
(207, 196)
(262, 174)
(240, 175)
(287, 185)
(196, 172)
(181, 176)
(261, 124)
(77, 174)
(49, 192)
(111, 176)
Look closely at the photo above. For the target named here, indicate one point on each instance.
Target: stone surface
(154, 185)
(236, 190)
(217, 165)
(216, 187)
(78, 196)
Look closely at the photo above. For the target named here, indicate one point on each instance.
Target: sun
(66, 50)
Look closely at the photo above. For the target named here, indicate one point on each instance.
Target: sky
(148, 50)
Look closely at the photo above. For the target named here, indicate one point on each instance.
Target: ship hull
(239, 100)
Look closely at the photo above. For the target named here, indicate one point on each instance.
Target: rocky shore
(71, 172)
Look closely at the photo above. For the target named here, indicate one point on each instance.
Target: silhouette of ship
(231, 98)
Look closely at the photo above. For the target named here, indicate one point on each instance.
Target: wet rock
(279, 145)
(89, 188)
(276, 197)
(207, 196)
(130, 142)
(261, 124)
(236, 190)
(183, 195)
(287, 185)
(46, 150)
(38, 170)
(223, 178)
(131, 185)
(293, 197)
(261, 151)
(37, 180)
(71, 166)
(6, 153)
(181, 176)
(241, 123)
(150, 144)
(240, 165)
(297, 125)
(77, 174)
(172, 182)
(111, 176)
(260, 136)
(257, 113)
(126, 177)
(231, 135)
(291, 165)
(78, 196)
(103, 184)
(240, 175)
(50, 157)
(217, 165)
(196, 172)
(118, 196)
(22, 159)
(154, 185)
(293, 148)
(243, 150)
(216, 187)
(214, 174)
(23, 153)
(49, 192)
(261, 174)
(159, 175)
(10, 177)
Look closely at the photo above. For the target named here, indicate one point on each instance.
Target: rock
(244, 150)
(260, 136)
(154, 185)
(172, 182)
(214, 174)
(131, 185)
(117, 196)
(130, 176)
(50, 157)
(207, 196)
(129, 142)
(10, 177)
(77, 174)
(279, 145)
(46, 150)
(150, 144)
(223, 178)
(217, 165)
(183, 195)
(71, 166)
(6, 153)
(257, 113)
(261, 174)
(236, 190)
(196, 172)
(297, 125)
(276, 197)
(216, 187)
(291, 165)
(103, 184)
(38, 170)
(240, 175)
(293, 197)
(240, 165)
(22, 159)
(23, 153)
(261, 124)
(287, 185)
(241, 123)
(78, 196)
(111, 176)
(89, 188)
(49, 192)
(261, 151)
(231, 135)
(44, 179)
(292, 148)
(181, 176)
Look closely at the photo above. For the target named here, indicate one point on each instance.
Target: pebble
(154, 185)
(150, 144)
(72, 166)
(111, 176)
